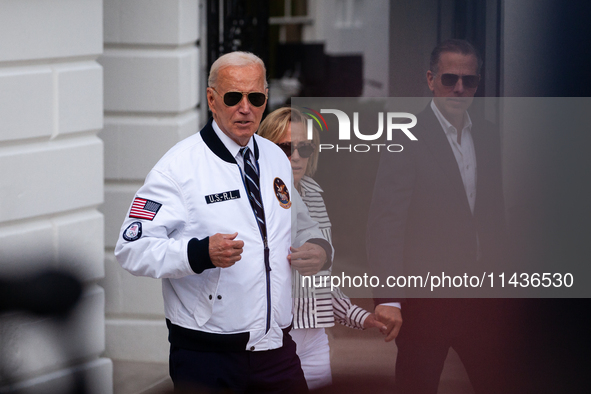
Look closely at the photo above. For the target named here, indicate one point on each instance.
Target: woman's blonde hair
(275, 126)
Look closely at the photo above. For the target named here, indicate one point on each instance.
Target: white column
(51, 183)
(151, 93)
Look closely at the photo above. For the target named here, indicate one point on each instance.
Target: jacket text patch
(224, 196)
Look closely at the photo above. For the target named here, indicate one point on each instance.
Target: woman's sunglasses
(305, 149)
(469, 81)
(232, 98)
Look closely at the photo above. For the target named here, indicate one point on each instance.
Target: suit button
(210, 296)
(252, 348)
(219, 297)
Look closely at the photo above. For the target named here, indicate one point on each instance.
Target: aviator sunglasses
(232, 98)
(305, 149)
(469, 81)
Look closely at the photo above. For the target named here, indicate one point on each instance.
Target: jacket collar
(214, 143)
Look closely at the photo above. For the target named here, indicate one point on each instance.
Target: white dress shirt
(464, 152)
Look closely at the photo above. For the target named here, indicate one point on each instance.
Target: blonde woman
(314, 309)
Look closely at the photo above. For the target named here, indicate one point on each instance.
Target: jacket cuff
(361, 322)
(327, 248)
(198, 254)
(379, 301)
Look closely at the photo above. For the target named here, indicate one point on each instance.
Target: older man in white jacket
(212, 220)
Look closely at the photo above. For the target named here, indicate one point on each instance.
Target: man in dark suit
(438, 207)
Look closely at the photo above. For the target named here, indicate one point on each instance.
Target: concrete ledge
(163, 22)
(137, 340)
(118, 198)
(79, 97)
(131, 295)
(61, 175)
(140, 80)
(44, 101)
(79, 243)
(50, 29)
(133, 145)
(71, 242)
(26, 102)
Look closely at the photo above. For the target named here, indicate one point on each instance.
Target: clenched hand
(224, 251)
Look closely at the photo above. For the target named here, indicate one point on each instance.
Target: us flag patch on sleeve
(144, 209)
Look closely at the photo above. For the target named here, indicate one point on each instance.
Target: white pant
(314, 353)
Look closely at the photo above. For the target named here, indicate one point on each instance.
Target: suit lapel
(436, 140)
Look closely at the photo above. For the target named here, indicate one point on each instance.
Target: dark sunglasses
(305, 149)
(469, 81)
(232, 98)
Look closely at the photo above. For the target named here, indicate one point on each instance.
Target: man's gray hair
(234, 59)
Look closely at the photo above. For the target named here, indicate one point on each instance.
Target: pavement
(361, 363)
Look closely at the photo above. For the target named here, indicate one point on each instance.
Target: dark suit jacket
(419, 214)
(420, 220)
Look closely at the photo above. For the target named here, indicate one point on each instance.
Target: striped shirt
(316, 306)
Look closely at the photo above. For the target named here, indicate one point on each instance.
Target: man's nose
(244, 105)
(459, 86)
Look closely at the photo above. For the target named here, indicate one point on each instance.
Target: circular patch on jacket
(281, 193)
(133, 232)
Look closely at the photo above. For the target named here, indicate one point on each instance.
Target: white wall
(51, 160)
(151, 72)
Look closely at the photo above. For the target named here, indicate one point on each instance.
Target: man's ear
(210, 99)
(430, 79)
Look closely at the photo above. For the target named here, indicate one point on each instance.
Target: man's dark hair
(455, 46)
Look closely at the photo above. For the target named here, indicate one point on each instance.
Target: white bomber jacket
(196, 190)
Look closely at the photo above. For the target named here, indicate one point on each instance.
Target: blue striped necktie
(253, 187)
